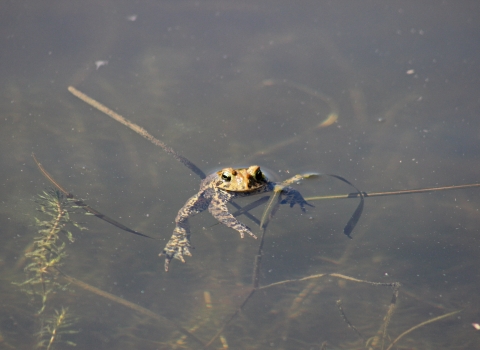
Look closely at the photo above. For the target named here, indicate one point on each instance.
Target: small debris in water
(98, 64)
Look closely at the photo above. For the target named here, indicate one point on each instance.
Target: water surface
(196, 75)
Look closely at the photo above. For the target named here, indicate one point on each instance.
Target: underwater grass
(48, 249)
(55, 328)
(47, 253)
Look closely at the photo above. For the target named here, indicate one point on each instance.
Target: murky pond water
(234, 84)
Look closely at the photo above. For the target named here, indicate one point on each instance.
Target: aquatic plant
(48, 250)
(54, 328)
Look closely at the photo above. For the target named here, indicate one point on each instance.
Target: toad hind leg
(219, 211)
(179, 244)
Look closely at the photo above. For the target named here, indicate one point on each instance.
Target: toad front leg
(179, 244)
(291, 196)
(219, 210)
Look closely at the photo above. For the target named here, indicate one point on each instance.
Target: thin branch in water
(435, 319)
(130, 305)
(391, 193)
(138, 129)
(347, 321)
(84, 205)
(329, 120)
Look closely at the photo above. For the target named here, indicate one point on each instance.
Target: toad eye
(226, 176)
(258, 175)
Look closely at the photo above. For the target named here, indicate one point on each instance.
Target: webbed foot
(178, 246)
(292, 197)
(243, 230)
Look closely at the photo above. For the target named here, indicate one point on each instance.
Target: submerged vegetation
(55, 328)
(43, 258)
(48, 250)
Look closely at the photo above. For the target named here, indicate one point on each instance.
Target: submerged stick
(329, 120)
(129, 304)
(435, 319)
(227, 322)
(338, 275)
(255, 286)
(255, 277)
(84, 205)
(138, 129)
(388, 316)
(347, 321)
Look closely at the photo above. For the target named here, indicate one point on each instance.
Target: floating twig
(391, 193)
